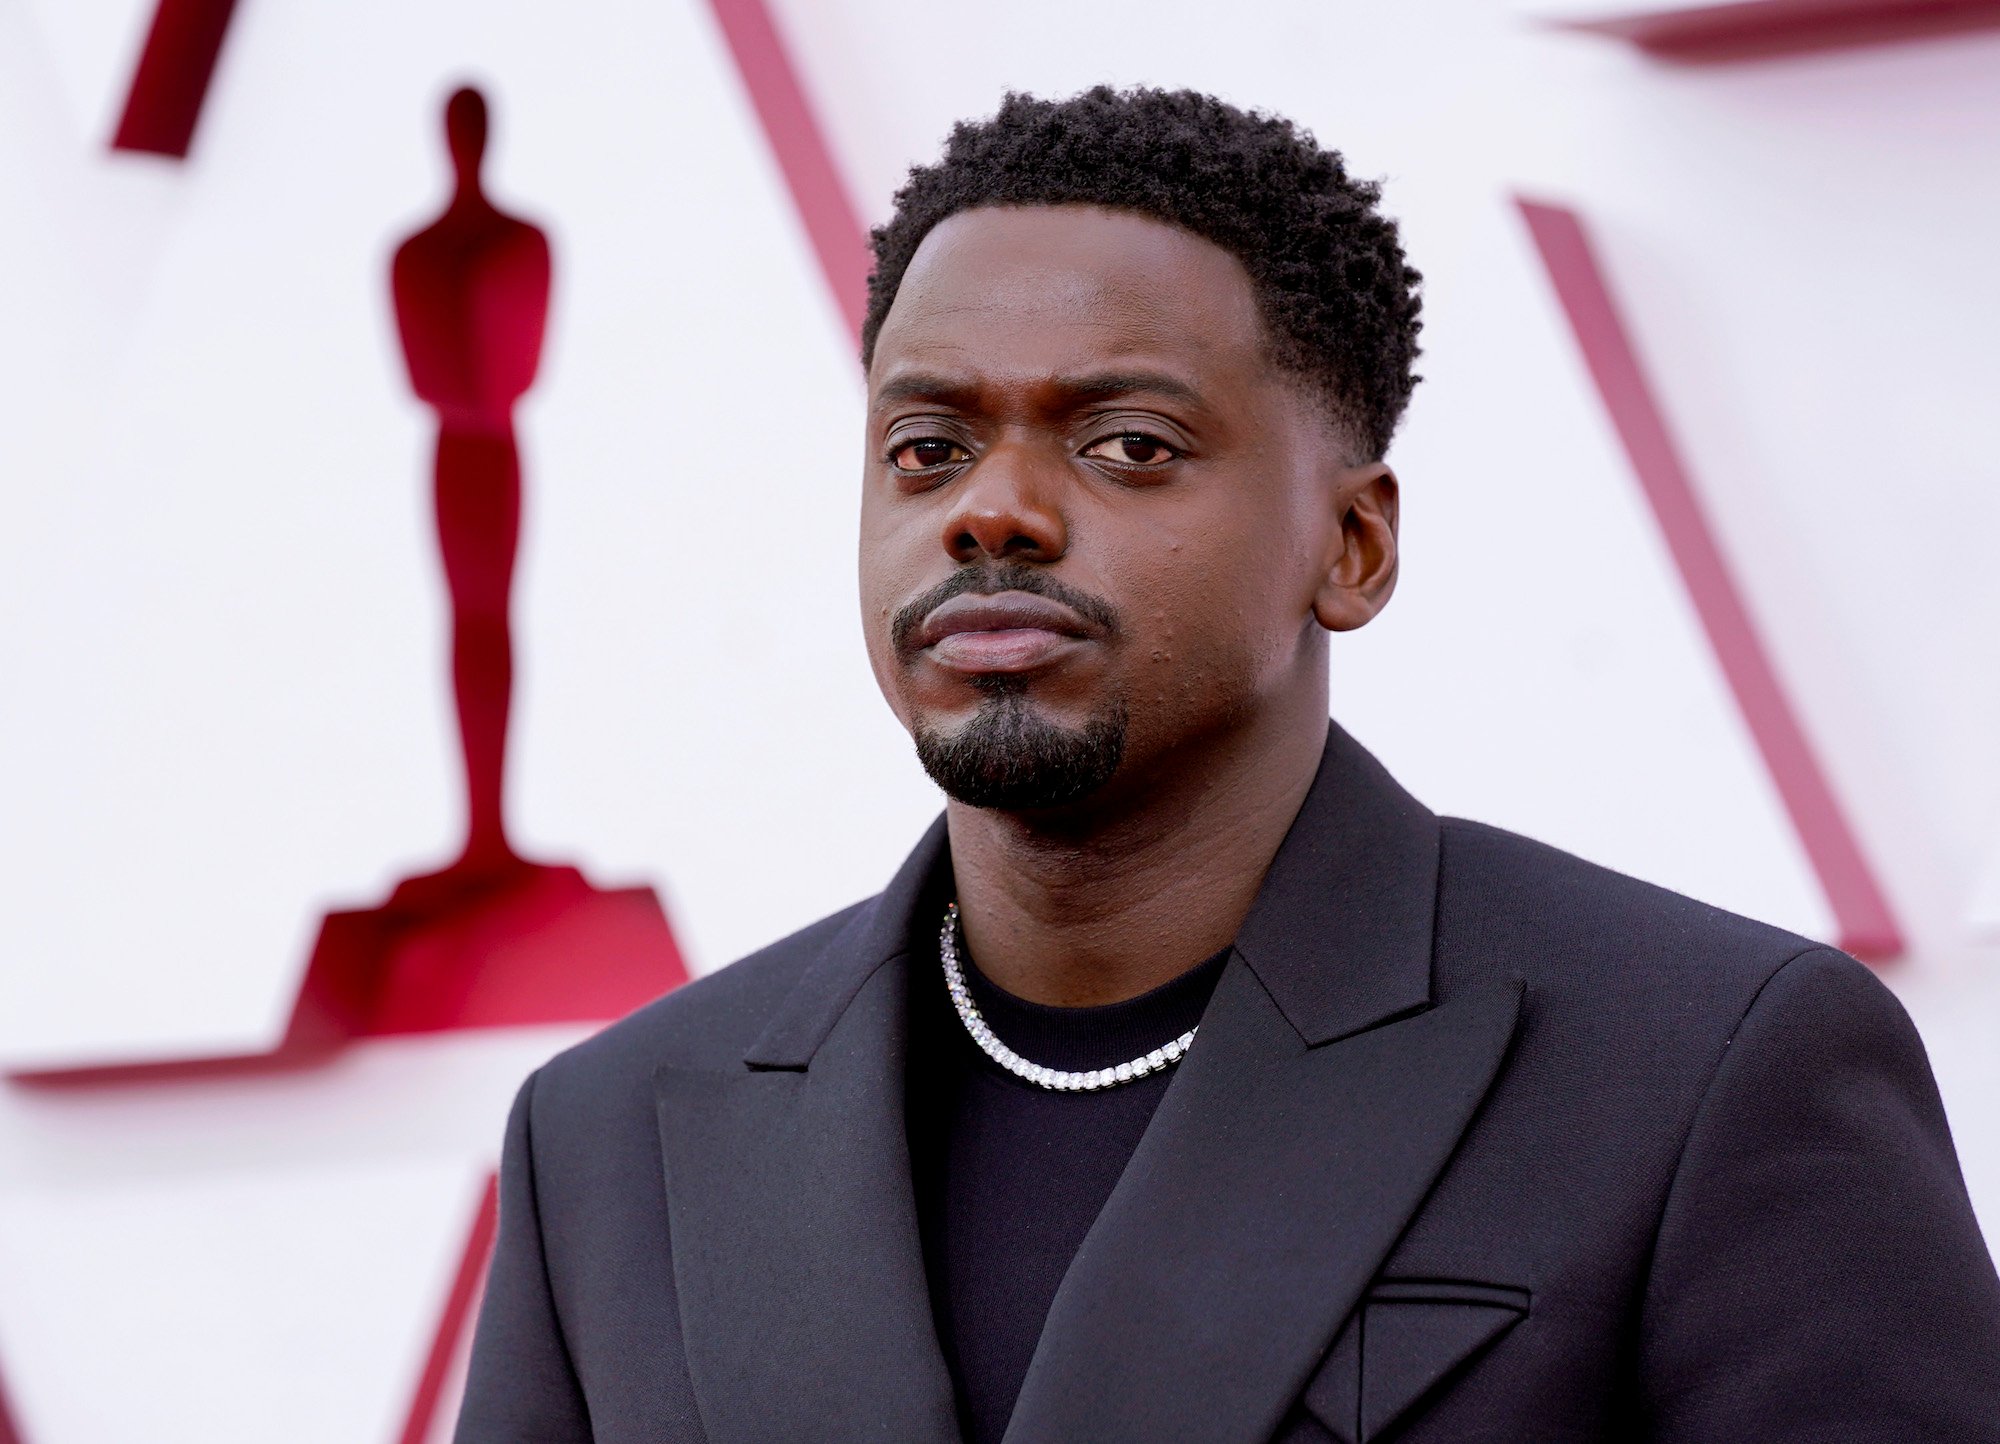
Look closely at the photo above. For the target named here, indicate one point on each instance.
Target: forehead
(1032, 291)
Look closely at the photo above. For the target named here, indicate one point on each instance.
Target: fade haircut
(1337, 298)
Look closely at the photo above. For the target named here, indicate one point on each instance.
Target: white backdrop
(225, 706)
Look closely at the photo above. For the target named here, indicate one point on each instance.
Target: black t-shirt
(1010, 1176)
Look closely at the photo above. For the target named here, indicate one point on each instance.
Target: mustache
(990, 580)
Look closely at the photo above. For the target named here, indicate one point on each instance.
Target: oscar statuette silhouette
(472, 298)
(492, 939)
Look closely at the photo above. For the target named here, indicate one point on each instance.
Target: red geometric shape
(466, 1287)
(833, 225)
(538, 944)
(171, 80)
(1756, 29)
(1868, 928)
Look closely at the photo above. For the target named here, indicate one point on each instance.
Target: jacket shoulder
(1635, 996)
(705, 1023)
(1570, 924)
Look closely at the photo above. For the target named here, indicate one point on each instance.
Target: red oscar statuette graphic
(492, 939)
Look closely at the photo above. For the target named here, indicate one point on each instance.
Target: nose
(1007, 507)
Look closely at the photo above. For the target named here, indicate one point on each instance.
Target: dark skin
(1090, 392)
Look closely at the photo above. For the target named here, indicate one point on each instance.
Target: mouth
(1001, 632)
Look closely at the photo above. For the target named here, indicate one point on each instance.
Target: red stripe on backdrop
(1868, 927)
(1757, 29)
(8, 1433)
(171, 80)
(457, 1314)
(833, 225)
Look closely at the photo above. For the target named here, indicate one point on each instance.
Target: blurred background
(1701, 522)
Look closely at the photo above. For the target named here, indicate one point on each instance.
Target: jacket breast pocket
(1403, 1343)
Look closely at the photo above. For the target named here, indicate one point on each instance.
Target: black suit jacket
(1478, 1143)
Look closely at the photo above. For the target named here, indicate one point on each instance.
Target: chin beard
(1011, 759)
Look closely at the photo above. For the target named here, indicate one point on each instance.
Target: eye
(1132, 448)
(926, 452)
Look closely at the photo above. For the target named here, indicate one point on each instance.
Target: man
(1191, 1080)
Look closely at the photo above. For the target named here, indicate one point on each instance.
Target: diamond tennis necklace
(999, 1052)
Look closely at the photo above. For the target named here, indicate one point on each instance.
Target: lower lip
(1019, 649)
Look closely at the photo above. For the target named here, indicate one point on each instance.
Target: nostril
(1012, 544)
(999, 535)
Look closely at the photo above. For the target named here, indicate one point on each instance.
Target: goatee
(1011, 758)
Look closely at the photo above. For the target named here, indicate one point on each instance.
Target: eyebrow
(1105, 385)
(924, 386)
(1073, 390)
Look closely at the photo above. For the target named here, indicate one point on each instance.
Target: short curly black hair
(1337, 296)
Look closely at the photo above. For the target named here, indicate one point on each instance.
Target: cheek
(1212, 614)
(886, 553)
(895, 564)
(1184, 621)
(876, 570)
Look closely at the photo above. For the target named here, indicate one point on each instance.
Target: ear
(1359, 574)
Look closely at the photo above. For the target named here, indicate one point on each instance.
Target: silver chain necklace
(1053, 1078)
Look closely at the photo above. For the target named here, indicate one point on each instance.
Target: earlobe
(1359, 574)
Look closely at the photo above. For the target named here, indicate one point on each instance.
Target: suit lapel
(1323, 1096)
(796, 1254)
(1272, 1184)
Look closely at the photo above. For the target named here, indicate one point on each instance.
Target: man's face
(1095, 518)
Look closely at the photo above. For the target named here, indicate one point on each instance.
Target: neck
(1096, 908)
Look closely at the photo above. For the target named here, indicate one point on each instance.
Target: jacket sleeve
(1818, 1273)
(521, 1386)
